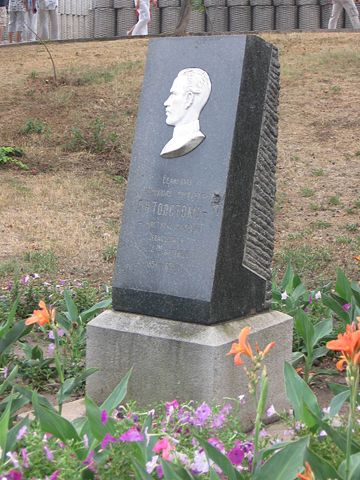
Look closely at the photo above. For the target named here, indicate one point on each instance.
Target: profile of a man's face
(188, 95)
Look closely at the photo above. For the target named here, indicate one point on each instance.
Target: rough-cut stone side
(259, 243)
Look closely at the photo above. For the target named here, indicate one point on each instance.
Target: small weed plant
(11, 155)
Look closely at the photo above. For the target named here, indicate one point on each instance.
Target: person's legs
(43, 24)
(335, 14)
(20, 21)
(54, 26)
(3, 21)
(11, 27)
(352, 12)
(141, 28)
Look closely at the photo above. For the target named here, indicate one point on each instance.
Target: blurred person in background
(17, 9)
(351, 10)
(30, 22)
(48, 16)
(3, 18)
(143, 11)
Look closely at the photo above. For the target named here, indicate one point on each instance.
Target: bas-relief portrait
(188, 95)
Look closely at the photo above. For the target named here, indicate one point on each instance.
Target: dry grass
(70, 200)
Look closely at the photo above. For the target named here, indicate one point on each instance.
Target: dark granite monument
(197, 234)
(196, 241)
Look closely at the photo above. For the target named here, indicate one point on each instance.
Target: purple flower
(54, 475)
(13, 458)
(346, 307)
(103, 416)
(218, 420)
(271, 411)
(215, 442)
(89, 461)
(10, 286)
(25, 458)
(21, 433)
(51, 348)
(171, 406)
(263, 433)
(48, 453)
(310, 299)
(202, 413)
(25, 279)
(159, 471)
(108, 439)
(5, 372)
(226, 409)
(14, 475)
(236, 455)
(51, 335)
(200, 463)
(152, 464)
(132, 435)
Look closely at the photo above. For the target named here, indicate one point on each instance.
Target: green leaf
(94, 309)
(10, 319)
(117, 395)
(72, 311)
(322, 469)
(175, 472)
(93, 414)
(221, 460)
(18, 330)
(299, 291)
(140, 472)
(305, 329)
(214, 475)
(286, 463)
(354, 473)
(52, 422)
(338, 438)
(296, 357)
(337, 402)
(11, 439)
(8, 380)
(322, 329)
(299, 392)
(336, 307)
(28, 394)
(287, 280)
(343, 286)
(4, 428)
(319, 352)
(337, 388)
(71, 383)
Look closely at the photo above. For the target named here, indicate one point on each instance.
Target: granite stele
(196, 242)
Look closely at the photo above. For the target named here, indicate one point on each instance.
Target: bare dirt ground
(60, 218)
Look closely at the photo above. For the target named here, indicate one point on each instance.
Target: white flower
(317, 295)
(200, 464)
(326, 410)
(322, 434)
(271, 411)
(242, 399)
(284, 296)
(150, 466)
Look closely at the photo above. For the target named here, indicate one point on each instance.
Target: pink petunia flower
(132, 435)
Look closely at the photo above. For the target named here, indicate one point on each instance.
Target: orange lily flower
(42, 316)
(244, 348)
(308, 474)
(349, 346)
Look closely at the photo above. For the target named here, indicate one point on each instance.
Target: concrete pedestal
(186, 361)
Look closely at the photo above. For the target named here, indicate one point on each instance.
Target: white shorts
(16, 22)
(3, 17)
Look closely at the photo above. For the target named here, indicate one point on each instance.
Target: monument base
(183, 361)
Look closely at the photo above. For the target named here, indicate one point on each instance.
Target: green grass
(33, 126)
(352, 227)
(321, 224)
(318, 172)
(307, 192)
(304, 259)
(343, 240)
(109, 253)
(334, 200)
(102, 74)
(41, 262)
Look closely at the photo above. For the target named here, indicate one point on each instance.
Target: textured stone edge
(259, 244)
